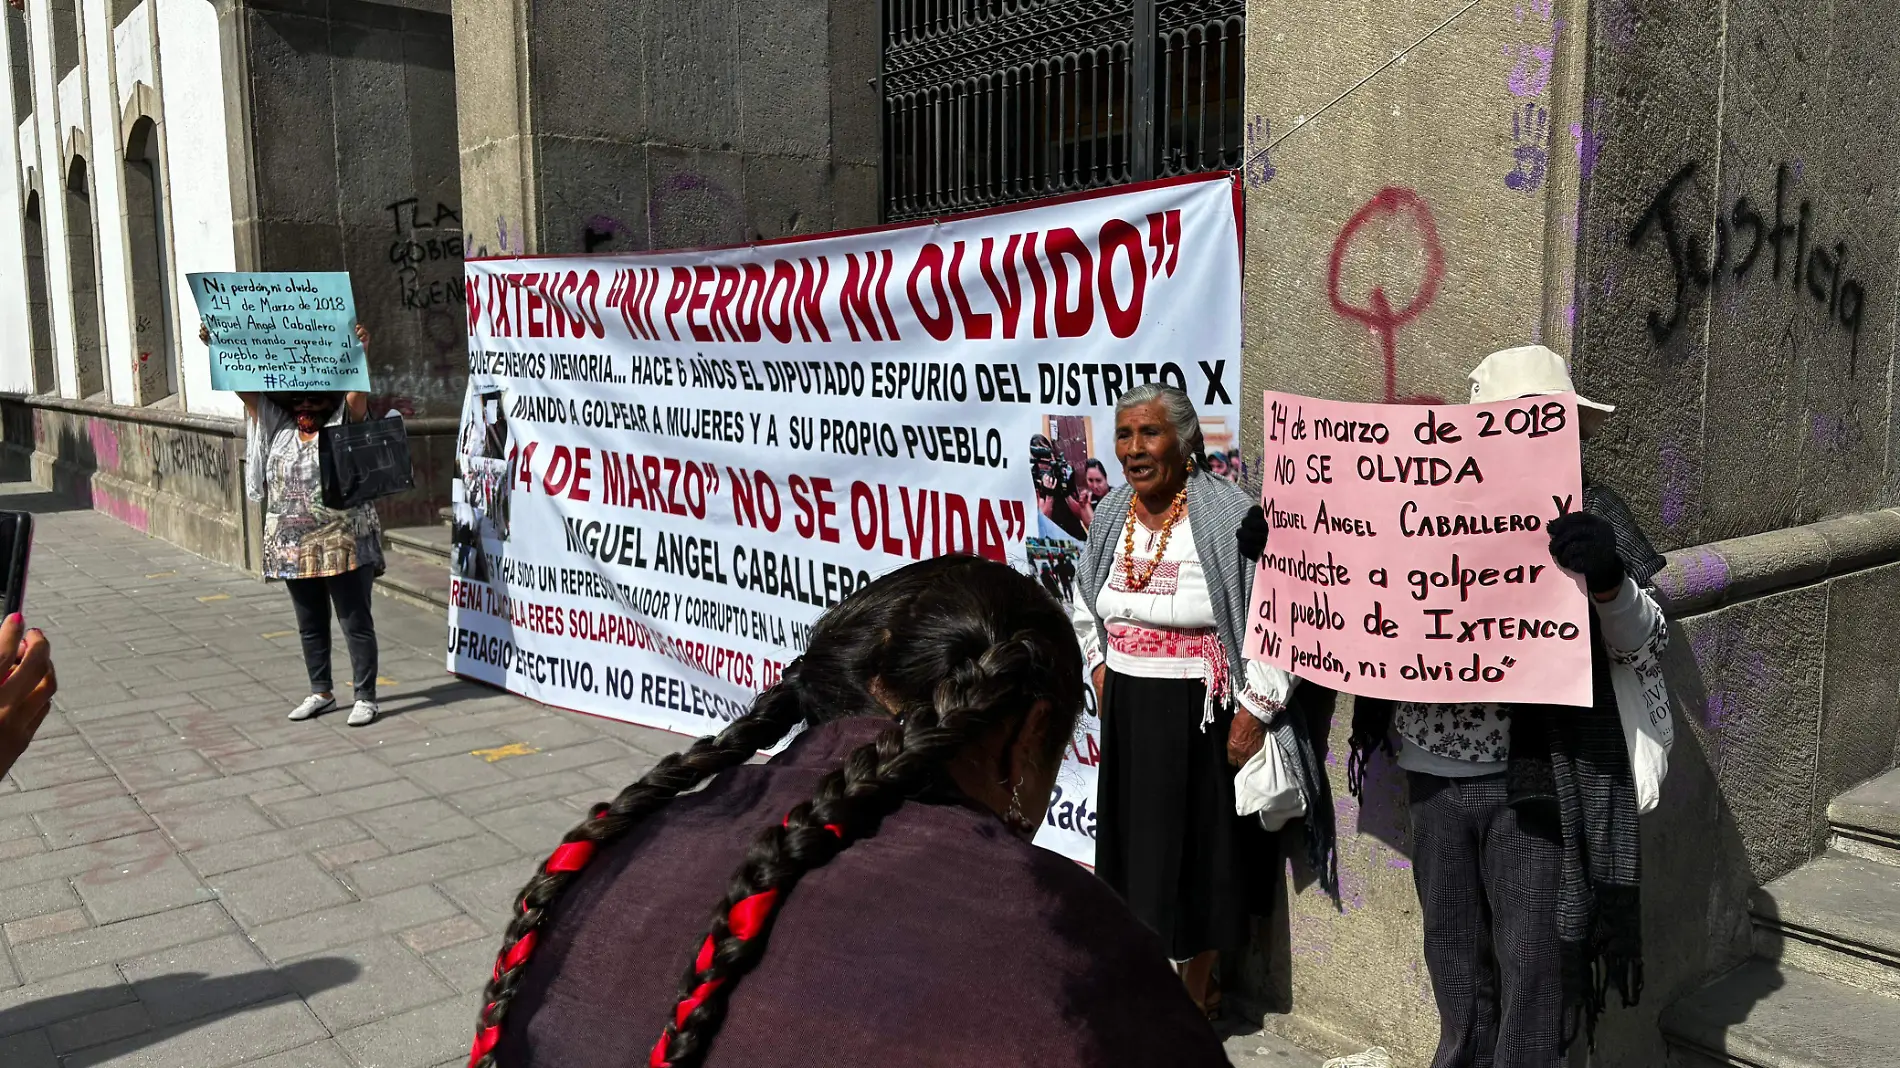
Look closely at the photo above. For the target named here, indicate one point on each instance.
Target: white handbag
(1265, 785)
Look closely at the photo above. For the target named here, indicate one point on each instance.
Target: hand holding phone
(26, 695)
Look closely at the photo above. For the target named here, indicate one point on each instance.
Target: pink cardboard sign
(1408, 557)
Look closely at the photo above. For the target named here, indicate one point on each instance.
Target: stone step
(1866, 819)
(1838, 917)
(415, 579)
(1763, 1015)
(430, 544)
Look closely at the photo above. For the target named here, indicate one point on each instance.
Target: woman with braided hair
(874, 897)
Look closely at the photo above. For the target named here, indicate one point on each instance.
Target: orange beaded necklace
(1139, 581)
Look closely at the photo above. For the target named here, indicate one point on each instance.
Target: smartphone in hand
(16, 549)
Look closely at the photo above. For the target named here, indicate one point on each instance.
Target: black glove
(1252, 534)
(1586, 544)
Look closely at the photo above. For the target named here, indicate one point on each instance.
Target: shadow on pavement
(176, 1003)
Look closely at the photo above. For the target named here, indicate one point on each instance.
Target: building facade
(164, 137)
(1696, 202)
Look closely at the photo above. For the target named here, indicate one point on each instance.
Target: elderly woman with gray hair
(1166, 583)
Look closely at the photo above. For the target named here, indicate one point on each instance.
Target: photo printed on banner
(672, 463)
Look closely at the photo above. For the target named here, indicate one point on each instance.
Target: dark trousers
(350, 593)
(1487, 885)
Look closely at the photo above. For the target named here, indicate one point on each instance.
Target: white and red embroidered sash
(1200, 646)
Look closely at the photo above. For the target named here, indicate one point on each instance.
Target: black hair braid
(777, 711)
(849, 804)
(841, 639)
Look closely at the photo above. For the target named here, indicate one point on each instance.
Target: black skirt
(1167, 838)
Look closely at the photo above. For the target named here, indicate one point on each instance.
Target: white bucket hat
(1531, 371)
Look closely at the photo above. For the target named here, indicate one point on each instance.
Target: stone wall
(598, 126)
(1450, 178)
(174, 476)
(1758, 389)
(349, 110)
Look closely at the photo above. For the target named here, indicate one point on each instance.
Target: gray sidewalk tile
(535, 828)
(255, 782)
(133, 850)
(401, 870)
(37, 899)
(362, 874)
(336, 858)
(194, 827)
(231, 855)
(349, 802)
(454, 773)
(113, 942)
(391, 980)
(192, 981)
(271, 1028)
(94, 821)
(513, 792)
(65, 921)
(157, 771)
(489, 894)
(106, 1025)
(415, 824)
(30, 1050)
(324, 1054)
(342, 924)
(40, 1004)
(468, 966)
(27, 801)
(419, 1038)
(442, 934)
(342, 772)
(112, 894)
(278, 890)
(602, 751)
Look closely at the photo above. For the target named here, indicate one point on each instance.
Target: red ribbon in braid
(567, 857)
(744, 919)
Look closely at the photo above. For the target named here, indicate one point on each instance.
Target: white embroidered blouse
(1166, 629)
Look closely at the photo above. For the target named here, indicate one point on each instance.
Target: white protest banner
(674, 462)
(1408, 557)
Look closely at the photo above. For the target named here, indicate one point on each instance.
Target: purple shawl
(941, 942)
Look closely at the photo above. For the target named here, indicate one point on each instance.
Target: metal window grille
(990, 102)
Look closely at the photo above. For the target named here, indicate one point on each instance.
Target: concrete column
(598, 126)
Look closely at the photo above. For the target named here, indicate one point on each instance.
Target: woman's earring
(1013, 815)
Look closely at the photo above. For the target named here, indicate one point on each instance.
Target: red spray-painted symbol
(1392, 205)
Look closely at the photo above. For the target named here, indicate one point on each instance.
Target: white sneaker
(364, 713)
(1376, 1057)
(314, 705)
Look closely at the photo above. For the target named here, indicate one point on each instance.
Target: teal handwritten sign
(281, 332)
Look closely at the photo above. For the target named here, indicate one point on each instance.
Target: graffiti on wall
(1784, 240)
(1529, 83)
(421, 236)
(1401, 213)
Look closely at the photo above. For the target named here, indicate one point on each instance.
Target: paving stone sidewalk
(189, 880)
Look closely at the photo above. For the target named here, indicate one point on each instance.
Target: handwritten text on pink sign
(1408, 557)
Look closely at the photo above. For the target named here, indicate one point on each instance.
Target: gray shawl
(1215, 508)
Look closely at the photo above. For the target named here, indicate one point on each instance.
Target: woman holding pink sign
(1165, 591)
(1525, 849)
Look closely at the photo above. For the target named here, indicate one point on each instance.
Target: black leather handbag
(362, 462)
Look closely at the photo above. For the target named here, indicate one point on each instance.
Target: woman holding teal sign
(325, 556)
